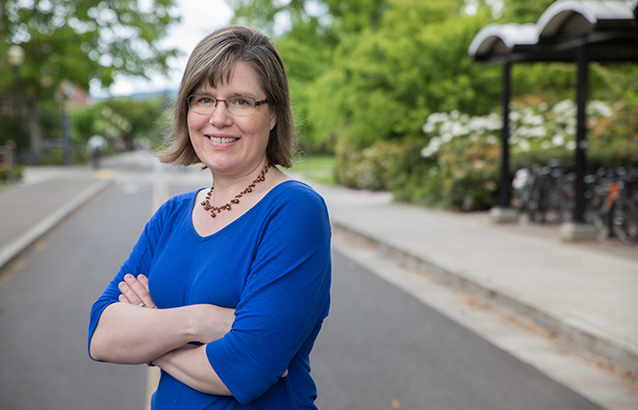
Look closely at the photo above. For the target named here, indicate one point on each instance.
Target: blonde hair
(213, 60)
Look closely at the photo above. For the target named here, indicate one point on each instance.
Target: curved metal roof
(572, 18)
(501, 39)
(608, 27)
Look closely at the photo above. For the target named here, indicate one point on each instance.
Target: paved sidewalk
(37, 204)
(585, 293)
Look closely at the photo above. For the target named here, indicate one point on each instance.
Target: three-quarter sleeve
(283, 302)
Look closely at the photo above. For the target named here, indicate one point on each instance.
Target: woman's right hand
(135, 291)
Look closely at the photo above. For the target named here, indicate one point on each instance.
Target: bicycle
(612, 205)
(625, 215)
(549, 194)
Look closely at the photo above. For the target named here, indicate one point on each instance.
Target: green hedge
(456, 163)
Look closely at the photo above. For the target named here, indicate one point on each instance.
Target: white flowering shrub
(466, 150)
(531, 127)
(458, 166)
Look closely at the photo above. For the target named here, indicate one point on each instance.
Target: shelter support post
(577, 230)
(581, 132)
(504, 212)
(504, 191)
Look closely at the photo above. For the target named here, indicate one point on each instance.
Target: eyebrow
(238, 94)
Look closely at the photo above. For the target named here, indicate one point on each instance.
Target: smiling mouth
(222, 140)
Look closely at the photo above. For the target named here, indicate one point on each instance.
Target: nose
(220, 117)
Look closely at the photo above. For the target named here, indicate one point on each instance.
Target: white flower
(571, 145)
(458, 129)
(515, 115)
(494, 121)
(432, 148)
(524, 146)
(428, 127)
(601, 108)
(536, 120)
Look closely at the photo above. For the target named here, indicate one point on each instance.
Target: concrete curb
(23, 242)
(589, 340)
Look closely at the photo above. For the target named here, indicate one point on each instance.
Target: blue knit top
(272, 265)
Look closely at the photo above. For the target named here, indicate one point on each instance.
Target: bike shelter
(579, 32)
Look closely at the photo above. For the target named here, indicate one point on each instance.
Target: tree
(81, 42)
(381, 84)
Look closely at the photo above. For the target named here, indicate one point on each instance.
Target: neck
(231, 183)
(218, 204)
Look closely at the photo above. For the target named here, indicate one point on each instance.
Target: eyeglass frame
(217, 100)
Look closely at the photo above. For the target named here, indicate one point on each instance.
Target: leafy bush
(17, 173)
(456, 164)
(467, 149)
(369, 168)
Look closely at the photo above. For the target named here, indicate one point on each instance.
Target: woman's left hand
(135, 291)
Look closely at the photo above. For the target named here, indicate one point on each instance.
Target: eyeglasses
(206, 105)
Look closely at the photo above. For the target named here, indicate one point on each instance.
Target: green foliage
(528, 11)
(365, 74)
(456, 164)
(124, 122)
(382, 82)
(18, 172)
(369, 168)
(80, 42)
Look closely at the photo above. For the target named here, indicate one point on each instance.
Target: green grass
(318, 168)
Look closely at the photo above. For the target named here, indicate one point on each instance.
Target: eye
(204, 100)
(241, 102)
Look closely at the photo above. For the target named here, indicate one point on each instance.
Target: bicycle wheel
(535, 204)
(625, 220)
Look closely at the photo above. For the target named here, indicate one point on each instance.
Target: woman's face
(229, 144)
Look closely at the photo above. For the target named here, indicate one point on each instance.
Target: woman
(227, 287)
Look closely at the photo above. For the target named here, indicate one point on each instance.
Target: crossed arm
(130, 334)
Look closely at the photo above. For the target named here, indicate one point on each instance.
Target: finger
(285, 373)
(142, 296)
(144, 281)
(128, 296)
(123, 299)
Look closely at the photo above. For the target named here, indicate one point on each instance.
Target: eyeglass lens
(205, 104)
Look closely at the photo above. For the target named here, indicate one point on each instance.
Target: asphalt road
(45, 301)
(380, 348)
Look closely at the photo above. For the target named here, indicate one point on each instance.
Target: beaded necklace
(214, 210)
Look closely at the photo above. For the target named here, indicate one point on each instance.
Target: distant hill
(171, 93)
